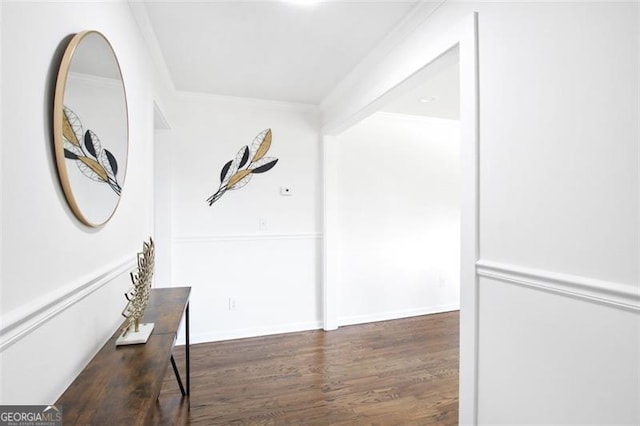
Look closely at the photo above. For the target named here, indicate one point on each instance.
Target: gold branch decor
(138, 297)
(251, 160)
(93, 160)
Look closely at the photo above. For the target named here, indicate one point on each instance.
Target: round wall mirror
(91, 128)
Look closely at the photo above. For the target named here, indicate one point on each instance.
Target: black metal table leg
(185, 392)
(175, 371)
(187, 352)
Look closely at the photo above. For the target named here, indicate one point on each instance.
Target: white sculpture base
(131, 337)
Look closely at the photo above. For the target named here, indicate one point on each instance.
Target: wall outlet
(262, 224)
(233, 305)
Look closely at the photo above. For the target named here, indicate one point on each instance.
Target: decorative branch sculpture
(138, 296)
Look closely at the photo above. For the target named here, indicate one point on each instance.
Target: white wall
(559, 239)
(557, 351)
(559, 193)
(398, 186)
(272, 271)
(1, 239)
(62, 282)
(163, 181)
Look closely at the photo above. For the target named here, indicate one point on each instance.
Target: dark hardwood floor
(400, 372)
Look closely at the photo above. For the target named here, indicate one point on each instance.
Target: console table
(121, 385)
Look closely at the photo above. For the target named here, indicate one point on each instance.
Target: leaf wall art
(250, 160)
(84, 147)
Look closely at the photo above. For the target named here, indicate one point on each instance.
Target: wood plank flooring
(400, 372)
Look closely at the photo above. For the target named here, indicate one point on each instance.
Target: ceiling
(273, 50)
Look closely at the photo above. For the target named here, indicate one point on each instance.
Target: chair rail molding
(623, 296)
(21, 321)
(245, 237)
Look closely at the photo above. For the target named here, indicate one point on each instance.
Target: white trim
(21, 321)
(416, 17)
(216, 336)
(241, 100)
(386, 316)
(245, 237)
(422, 119)
(330, 295)
(469, 218)
(613, 294)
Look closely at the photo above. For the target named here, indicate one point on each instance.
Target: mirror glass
(91, 128)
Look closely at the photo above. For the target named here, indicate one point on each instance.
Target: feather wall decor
(94, 161)
(250, 160)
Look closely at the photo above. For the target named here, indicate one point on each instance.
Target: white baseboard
(385, 316)
(219, 335)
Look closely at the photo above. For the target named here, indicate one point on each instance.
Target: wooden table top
(121, 384)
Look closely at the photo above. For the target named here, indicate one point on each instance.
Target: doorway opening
(398, 220)
(387, 83)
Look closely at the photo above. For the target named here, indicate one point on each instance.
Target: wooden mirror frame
(61, 117)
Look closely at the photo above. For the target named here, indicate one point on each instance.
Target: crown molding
(239, 100)
(141, 16)
(416, 17)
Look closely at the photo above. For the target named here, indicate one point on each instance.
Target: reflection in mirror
(90, 128)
